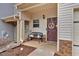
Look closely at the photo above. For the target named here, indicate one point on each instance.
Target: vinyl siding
(7, 28)
(7, 9)
(66, 20)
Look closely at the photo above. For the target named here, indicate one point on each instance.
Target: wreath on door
(51, 25)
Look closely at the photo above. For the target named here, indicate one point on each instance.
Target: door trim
(56, 26)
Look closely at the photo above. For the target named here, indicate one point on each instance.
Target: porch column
(18, 31)
(21, 31)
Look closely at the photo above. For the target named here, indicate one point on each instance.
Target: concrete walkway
(47, 49)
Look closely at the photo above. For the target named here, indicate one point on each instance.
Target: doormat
(21, 50)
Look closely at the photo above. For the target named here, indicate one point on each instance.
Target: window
(35, 23)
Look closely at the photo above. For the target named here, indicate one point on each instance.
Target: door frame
(57, 32)
(56, 25)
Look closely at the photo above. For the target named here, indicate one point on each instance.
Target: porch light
(43, 16)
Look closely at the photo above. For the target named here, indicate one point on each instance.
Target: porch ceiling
(43, 8)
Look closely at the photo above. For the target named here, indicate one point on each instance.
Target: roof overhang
(11, 19)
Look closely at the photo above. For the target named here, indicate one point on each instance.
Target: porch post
(18, 31)
(21, 31)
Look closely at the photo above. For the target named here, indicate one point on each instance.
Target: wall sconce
(43, 16)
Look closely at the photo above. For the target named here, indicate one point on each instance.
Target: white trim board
(33, 7)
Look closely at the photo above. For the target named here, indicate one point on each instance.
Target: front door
(52, 29)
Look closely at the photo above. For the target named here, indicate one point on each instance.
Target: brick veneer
(65, 48)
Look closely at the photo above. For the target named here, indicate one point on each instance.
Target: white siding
(66, 19)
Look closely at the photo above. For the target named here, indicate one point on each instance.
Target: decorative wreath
(51, 25)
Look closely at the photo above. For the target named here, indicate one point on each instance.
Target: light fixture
(43, 16)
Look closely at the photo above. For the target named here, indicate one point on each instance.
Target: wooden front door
(52, 29)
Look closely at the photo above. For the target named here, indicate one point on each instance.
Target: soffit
(49, 6)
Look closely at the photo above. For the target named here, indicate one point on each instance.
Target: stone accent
(65, 48)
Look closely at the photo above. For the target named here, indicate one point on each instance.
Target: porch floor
(43, 48)
(34, 43)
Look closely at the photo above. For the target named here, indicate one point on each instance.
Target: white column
(18, 31)
(21, 30)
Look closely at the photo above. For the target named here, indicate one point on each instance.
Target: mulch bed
(21, 50)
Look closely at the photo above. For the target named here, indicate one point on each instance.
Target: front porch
(24, 26)
(40, 12)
